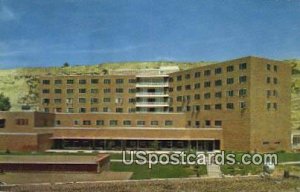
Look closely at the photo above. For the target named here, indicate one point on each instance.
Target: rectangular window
(243, 79)
(197, 96)
(94, 100)
(107, 90)
(82, 90)
(57, 122)
(242, 105)
(154, 123)
(131, 110)
(218, 123)
(218, 94)
(94, 81)
(86, 122)
(179, 109)
(58, 110)
(119, 81)
(127, 123)
(119, 90)
(230, 106)
(230, 68)
(196, 108)
(197, 124)
(230, 81)
(57, 101)
(46, 101)
(70, 110)
(58, 82)
(140, 123)
(131, 81)
(268, 67)
(207, 73)
(243, 66)
(218, 106)
(131, 100)
(275, 106)
(206, 107)
(22, 122)
(70, 81)
(179, 78)
(106, 100)
(207, 123)
(187, 76)
(275, 81)
(188, 87)
(218, 82)
(206, 95)
(197, 86)
(113, 122)
(94, 91)
(82, 100)
(268, 106)
(207, 84)
(131, 90)
(70, 91)
(230, 93)
(197, 74)
(82, 81)
(268, 80)
(82, 110)
(119, 110)
(100, 122)
(106, 81)
(218, 70)
(178, 88)
(168, 123)
(46, 82)
(242, 92)
(46, 91)
(2, 123)
(275, 68)
(57, 91)
(76, 122)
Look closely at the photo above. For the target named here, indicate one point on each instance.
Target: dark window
(127, 122)
(82, 90)
(22, 121)
(154, 123)
(243, 92)
(94, 100)
(57, 91)
(58, 82)
(119, 110)
(57, 101)
(100, 122)
(113, 122)
(230, 68)
(243, 66)
(179, 98)
(57, 122)
(82, 81)
(94, 109)
(268, 79)
(140, 123)
(119, 81)
(218, 106)
(82, 110)
(119, 90)
(94, 81)
(86, 122)
(106, 81)
(268, 67)
(207, 84)
(82, 100)
(197, 86)
(242, 105)
(131, 100)
(131, 90)
(230, 93)
(2, 123)
(206, 107)
(218, 123)
(207, 73)
(197, 96)
(218, 82)
(70, 91)
(46, 91)
(230, 81)
(178, 88)
(168, 123)
(106, 100)
(230, 106)
(46, 101)
(94, 91)
(207, 123)
(179, 109)
(107, 90)
(46, 82)
(243, 79)
(275, 106)
(179, 78)
(275, 81)
(197, 74)
(206, 95)
(275, 68)
(70, 81)
(218, 94)
(131, 81)
(188, 87)
(76, 122)
(187, 76)
(218, 70)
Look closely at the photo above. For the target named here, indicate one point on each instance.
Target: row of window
(269, 80)
(219, 82)
(92, 109)
(208, 72)
(230, 93)
(83, 90)
(84, 81)
(218, 106)
(116, 123)
(207, 123)
(269, 67)
(84, 100)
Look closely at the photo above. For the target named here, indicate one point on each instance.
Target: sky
(36, 33)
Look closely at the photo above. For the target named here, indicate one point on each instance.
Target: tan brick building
(241, 105)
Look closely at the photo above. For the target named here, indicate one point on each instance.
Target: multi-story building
(241, 104)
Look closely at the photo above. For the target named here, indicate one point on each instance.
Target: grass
(285, 157)
(241, 169)
(157, 171)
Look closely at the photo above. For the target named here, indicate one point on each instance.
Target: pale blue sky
(49, 33)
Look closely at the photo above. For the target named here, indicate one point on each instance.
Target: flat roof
(52, 159)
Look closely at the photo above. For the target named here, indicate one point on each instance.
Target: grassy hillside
(20, 84)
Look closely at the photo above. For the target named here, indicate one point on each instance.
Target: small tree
(66, 64)
(4, 103)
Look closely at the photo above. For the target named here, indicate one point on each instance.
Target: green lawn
(157, 171)
(285, 157)
(241, 169)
